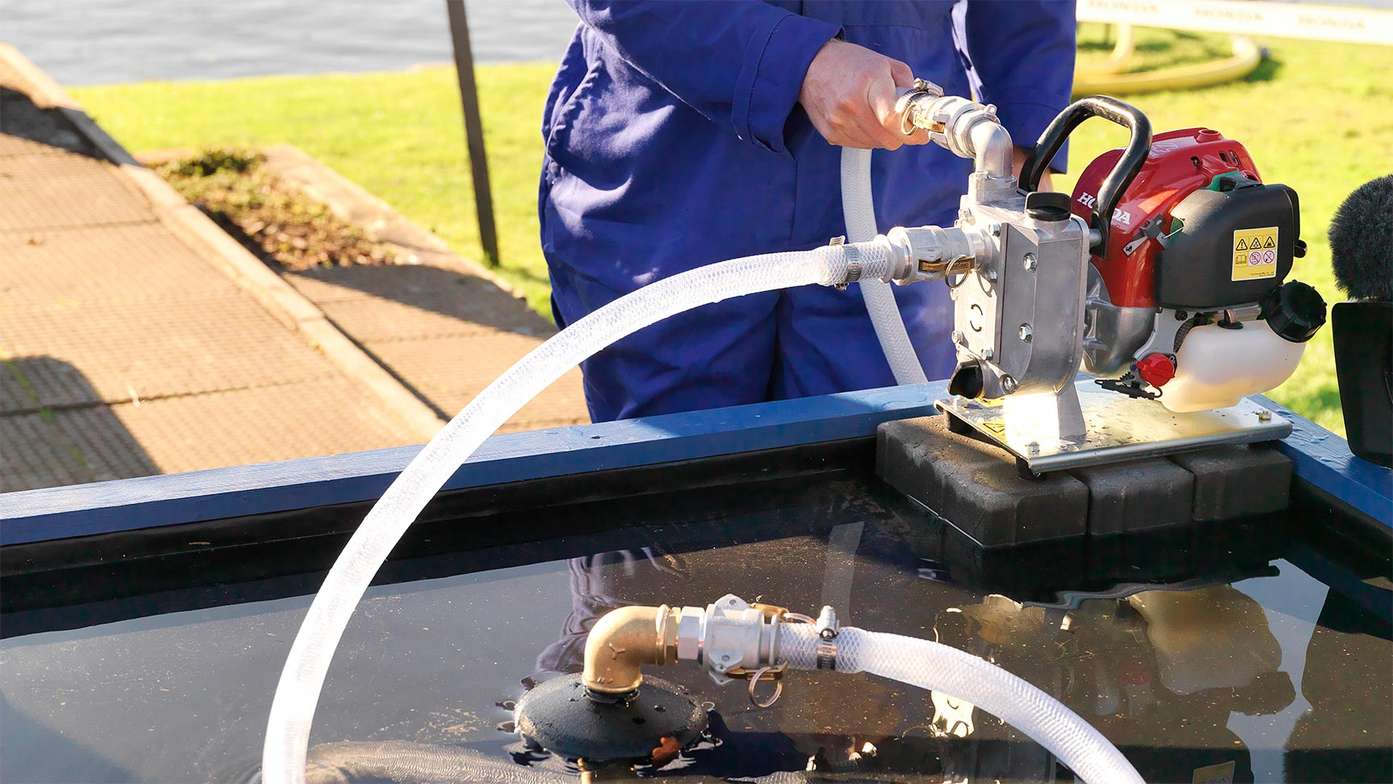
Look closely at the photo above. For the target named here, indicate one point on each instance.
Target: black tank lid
(1047, 205)
(1294, 311)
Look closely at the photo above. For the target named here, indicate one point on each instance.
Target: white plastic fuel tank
(1217, 366)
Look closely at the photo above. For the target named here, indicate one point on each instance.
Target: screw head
(1264, 415)
(996, 229)
(1008, 384)
(1030, 262)
(988, 353)
(1025, 333)
(990, 274)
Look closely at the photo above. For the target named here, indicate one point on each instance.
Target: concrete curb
(214, 245)
(349, 202)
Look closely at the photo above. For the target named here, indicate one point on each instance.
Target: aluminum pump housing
(1018, 273)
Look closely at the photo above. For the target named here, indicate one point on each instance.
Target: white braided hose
(936, 667)
(858, 210)
(302, 679)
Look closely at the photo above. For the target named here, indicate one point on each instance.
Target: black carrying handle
(1121, 176)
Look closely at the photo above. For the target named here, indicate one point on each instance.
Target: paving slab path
(135, 341)
(444, 326)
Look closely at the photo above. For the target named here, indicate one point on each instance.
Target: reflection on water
(1255, 670)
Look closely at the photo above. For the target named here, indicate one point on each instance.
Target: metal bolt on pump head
(1025, 333)
(1030, 262)
(1008, 383)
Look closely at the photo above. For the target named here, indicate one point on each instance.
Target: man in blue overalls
(684, 132)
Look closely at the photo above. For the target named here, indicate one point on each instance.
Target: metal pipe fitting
(737, 639)
(624, 639)
(937, 253)
(992, 148)
(729, 638)
(966, 128)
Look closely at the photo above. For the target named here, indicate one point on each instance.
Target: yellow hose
(1111, 77)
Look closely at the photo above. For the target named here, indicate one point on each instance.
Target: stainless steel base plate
(1122, 428)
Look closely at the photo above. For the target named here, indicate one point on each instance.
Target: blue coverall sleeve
(741, 65)
(1023, 50)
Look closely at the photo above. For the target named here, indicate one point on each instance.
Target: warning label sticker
(1255, 253)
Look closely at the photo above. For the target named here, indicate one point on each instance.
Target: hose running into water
(858, 211)
(302, 679)
(917, 662)
(935, 667)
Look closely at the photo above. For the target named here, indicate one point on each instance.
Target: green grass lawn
(1318, 117)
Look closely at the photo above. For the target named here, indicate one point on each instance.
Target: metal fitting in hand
(965, 127)
(911, 104)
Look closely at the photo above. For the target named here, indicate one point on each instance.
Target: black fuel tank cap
(1047, 205)
(1294, 311)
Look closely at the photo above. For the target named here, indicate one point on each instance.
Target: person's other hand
(1018, 157)
(849, 94)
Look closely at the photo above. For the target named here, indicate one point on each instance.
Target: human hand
(1018, 157)
(849, 94)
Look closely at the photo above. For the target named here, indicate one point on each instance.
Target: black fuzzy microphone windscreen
(1361, 242)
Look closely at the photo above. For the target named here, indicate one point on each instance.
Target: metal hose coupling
(730, 638)
(912, 105)
(909, 255)
(963, 126)
(937, 253)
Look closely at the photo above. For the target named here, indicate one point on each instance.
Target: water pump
(1163, 276)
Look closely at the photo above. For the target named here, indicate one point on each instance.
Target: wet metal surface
(1122, 428)
(1268, 661)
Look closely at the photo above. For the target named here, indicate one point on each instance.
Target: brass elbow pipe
(624, 639)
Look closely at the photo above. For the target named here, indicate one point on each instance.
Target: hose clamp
(907, 104)
(827, 629)
(853, 262)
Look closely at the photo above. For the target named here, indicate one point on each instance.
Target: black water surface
(1270, 660)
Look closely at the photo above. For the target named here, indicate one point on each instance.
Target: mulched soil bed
(274, 221)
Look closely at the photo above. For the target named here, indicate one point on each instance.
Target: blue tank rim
(1321, 460)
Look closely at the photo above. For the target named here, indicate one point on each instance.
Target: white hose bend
(858, 210)
(936, 667)
(297, 693)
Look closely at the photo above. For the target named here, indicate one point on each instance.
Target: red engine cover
(1180, 162)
